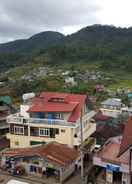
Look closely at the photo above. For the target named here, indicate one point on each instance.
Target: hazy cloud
(21, 19)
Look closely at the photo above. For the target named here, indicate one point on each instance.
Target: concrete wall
(125, 178)
(65, 136)
(67, 172)
(18, 141)
(110, 112)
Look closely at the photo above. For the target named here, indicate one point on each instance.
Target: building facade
(115, 167)
(111, 107)
(53, 159)
(5, 109)
(51, 117)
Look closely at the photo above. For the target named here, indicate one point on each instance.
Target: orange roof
(55, 152)
(127, 137)
(70, 103)
(110, 151)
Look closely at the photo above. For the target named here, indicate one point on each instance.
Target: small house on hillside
(53, 159)
(111, 107)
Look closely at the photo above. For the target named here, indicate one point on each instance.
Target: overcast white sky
(23, 18)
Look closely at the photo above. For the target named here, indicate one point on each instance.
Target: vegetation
(99, 48)
(109, 46)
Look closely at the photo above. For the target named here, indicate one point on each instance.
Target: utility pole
(82, 155)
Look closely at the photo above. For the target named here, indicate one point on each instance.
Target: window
(58, 116)
(11, 129)
(44, 132)
(57, 130)
(19, 130)
(61, 100)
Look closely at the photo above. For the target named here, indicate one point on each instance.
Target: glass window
(57, 130)
(44, 132)
(19, 130)
(58, 116)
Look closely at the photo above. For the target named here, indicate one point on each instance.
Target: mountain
(38, 41)
(109, 45)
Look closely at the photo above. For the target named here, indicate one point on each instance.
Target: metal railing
(16, 118)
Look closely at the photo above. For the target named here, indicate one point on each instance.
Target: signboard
(112, 167)
(109, 176)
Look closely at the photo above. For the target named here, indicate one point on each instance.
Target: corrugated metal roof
(55, 152)
(72, 103)
(112, 102)
(127, 137)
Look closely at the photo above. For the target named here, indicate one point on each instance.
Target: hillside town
(65, 92)
(55, 137)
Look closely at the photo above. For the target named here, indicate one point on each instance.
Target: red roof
(127, 137)
(106, 131)
(59, 102)
(55, 152)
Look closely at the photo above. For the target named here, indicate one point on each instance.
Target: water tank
(27, 96)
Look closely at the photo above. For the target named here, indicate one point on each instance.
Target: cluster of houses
(40, 72)
(70, 77)
(52, 130)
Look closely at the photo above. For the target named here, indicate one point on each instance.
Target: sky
(23, 18)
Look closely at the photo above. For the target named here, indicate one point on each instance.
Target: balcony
(87, 132)
(16, 118)
(89, 115)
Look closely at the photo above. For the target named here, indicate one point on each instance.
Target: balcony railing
(89, 115)
(16, 118)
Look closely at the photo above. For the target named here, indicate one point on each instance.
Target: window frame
(18, 132)
(59, 115)
(44, 130)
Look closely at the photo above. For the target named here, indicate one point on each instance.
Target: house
(111, 107)
(51, 117)
(99, 88)
(106, 131)
(115, 169)
(126, 147)
(52, 159)
(5, 110)
(115, 157)
(107, 127)
(70, 81)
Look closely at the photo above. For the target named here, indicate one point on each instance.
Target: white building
(111, 107)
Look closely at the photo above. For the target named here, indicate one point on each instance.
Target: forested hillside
(108, 45)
